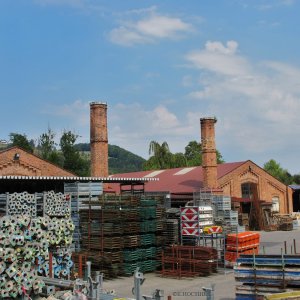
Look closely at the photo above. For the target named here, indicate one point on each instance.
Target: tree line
(76, 158)
(68, 157)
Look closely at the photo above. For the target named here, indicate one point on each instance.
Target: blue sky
(160, 66)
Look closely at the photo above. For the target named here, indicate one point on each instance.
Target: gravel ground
(271, 243)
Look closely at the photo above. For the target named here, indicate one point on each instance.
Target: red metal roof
(177, 180)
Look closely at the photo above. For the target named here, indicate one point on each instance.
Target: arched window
(275, 204)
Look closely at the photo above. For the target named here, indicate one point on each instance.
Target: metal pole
(80, 266)
(138, 281)
(285, 250)
(209, 292)
(99, 282)
(50, 265)
(88, 269)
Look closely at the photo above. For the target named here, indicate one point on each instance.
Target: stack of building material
(194, 219)
(27, 242)
(244, 220)
(172, 232)
(241, 243)
(188, 261)
(261, 275)
(172, 226)
(81, 192)
(125, 231)
(224, 216)
(284, 222)
(296, 220)
(221, 203)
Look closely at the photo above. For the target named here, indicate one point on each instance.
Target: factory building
(244, 181)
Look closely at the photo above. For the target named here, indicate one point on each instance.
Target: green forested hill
(119, 159)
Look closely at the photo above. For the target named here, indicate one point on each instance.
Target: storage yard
(273, 243)
(225, 231)
(49, 238)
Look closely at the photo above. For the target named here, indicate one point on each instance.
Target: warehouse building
(244, 181)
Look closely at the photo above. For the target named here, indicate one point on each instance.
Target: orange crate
(232, 256)
(242, 240)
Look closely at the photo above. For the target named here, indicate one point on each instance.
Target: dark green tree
(47, 148)
(296, 179)
(73, 160)
(278, 172)
(160, 156)
(178, 160)
(21, 141)
(193, 154)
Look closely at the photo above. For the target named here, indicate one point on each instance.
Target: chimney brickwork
(98, 139)
(209, 154)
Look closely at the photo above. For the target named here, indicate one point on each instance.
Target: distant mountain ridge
(119, 159)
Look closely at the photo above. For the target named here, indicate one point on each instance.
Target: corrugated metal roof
(154, 173)
(295, 186)
(78, 178)
(188, 182)
(184, 171)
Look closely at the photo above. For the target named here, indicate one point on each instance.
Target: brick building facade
(16, 161)
(252, 182)
(243, 181)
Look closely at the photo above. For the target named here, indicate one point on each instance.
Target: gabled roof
(28, 162)
(178, 180)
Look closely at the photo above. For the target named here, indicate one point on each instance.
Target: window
(275, 204)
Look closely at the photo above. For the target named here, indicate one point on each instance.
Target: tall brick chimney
(98, 139)
(209, 154)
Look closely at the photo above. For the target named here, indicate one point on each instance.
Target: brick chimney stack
(209, 154)
(98, 139)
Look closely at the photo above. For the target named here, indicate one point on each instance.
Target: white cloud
(149, 29)
(158, 123)
(161, 26)
(126, 37)
(275, 4)
(219, 59)
(259, 103)
(77, 112)
(220, 48)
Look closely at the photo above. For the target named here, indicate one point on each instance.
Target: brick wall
(267, 186)
(99, 139)
(209, 156)
(27, 164)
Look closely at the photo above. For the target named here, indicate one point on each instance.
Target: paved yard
(271, 243)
